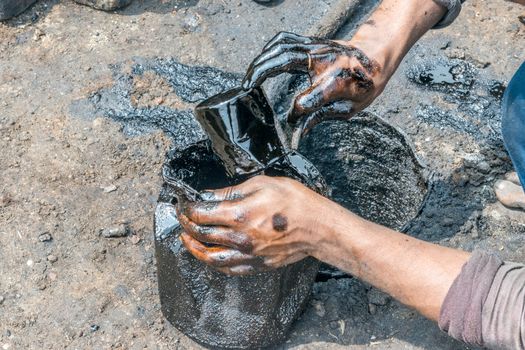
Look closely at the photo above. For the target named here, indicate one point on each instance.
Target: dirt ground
(70, 176)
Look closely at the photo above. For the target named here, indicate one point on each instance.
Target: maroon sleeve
(461, 312)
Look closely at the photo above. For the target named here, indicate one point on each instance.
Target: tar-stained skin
(210, 287)
(279, 222)
(341, 76)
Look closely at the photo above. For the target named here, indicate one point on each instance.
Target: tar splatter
(279, 222)
(452, 76)
(476, 102)
(466, 109)
(189, 85)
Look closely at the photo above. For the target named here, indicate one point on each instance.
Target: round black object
(370, 167)
(215, 309)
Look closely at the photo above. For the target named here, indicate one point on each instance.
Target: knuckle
(240, 216)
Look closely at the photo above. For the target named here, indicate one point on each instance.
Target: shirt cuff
(461, 312)
(453, 7)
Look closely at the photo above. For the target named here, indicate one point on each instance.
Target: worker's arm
(481, 302)
(346, 76)
(283, 221)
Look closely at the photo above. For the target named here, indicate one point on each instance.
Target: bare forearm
(417, 273)
(394, 27)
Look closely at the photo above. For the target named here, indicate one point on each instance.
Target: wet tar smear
(477, 101)
(189, 84)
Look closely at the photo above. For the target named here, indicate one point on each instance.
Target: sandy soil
(68, 177)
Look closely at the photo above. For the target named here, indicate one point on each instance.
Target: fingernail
(207, 196)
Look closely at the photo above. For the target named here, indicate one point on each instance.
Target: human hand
(344, 79)
(264, 223)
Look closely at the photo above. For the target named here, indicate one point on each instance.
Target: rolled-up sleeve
(453, 9)
(485, 305)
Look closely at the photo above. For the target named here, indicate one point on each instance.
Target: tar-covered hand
(266, 222)
(344, 79)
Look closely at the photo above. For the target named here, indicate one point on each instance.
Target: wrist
(337, 237)
(393, 29)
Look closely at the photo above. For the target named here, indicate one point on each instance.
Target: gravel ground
(72, 178)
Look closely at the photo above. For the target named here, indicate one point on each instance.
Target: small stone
(319, 309)
(98, 122)
(105, 5)
(45, 237)
(52, 258)
(191, 22)
(30, 262)
(24, 136)
(135, 239)
(120, 230)
(109, 188)
(52, 276)
(484, 167)
(4, 200)
(2, 299)
(372, 309)
(448, 222)
(474, 233)
(38, 34)
(377, 297)
(40, 282)
(94, 327)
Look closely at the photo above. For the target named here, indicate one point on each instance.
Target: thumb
(335, 110)
(310, 101)
(231, 193)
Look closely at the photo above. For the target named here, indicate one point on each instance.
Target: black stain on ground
(190, 84)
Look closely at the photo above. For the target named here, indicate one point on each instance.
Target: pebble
(120, 230)
(2, 299)
(52, 276)
(319, 309)
(94, 327)
(377, 297)
(191, 22)
(45, 237)
(4, 200)
(30, 262)
(135, 239)
(110, 188)
(52, 258)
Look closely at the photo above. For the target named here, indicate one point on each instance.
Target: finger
(281, 48)
(335, 110)
(218, 256)
(287, 37)
(310, 100)
(224, 194)
(285, 62)
(225, 213)
(216, 235)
